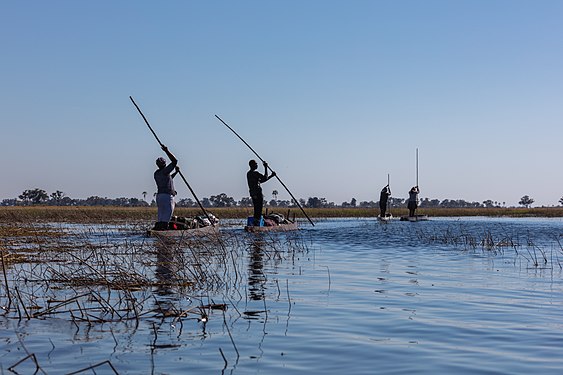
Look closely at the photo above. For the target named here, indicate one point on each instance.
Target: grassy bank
(112, 214)
(437, 212)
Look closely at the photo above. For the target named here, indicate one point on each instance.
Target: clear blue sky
(334, 94)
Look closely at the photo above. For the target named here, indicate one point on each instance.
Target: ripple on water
(362, 298)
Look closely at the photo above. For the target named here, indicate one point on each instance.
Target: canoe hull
(385, 218)
(274, 228)
(415, 218)
(186, 233)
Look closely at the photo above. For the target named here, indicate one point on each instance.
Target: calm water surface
(469, 295)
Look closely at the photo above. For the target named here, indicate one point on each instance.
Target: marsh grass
(438, 212)
(36, 232)
(30, 214)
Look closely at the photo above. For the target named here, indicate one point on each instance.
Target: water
(470, 295)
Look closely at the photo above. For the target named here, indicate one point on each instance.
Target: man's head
(253, 164)
(161, 162)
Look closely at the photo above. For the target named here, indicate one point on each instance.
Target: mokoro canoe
(385, 218)
(415, 218)
(273, 228)
(185, 233)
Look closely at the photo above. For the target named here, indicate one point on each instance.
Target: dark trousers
(412, 208)
(258, 203)
(382, 208)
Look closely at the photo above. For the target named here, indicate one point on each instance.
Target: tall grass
(120, 214)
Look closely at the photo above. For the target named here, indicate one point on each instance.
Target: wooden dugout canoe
(385, 218)
(184, 233)
(415, 218)
(273, 228)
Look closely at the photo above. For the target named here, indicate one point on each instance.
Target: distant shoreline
(104, 214)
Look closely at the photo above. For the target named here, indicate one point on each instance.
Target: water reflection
(391, 288)
(256, 277)
(168, 266)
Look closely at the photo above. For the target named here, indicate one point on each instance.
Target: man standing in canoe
(383, 198)
(413, 200)
(254, 178)
(165, 188)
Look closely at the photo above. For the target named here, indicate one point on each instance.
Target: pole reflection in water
(256, 277)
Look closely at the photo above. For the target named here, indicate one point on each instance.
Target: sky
(335, 95)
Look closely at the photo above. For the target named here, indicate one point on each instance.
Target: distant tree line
(58, 198)
(400, 202)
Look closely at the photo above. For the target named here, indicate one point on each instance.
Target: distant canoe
(272, 228)
(185, 233)
(415, 218)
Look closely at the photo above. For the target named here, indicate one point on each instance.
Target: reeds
(102, 281)
(113, 275)
(498, 241)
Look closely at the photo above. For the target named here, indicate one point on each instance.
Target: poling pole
(388, 203)
(417, 166)
(262, 160)
(180, 171)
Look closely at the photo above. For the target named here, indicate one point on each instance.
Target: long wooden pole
(417, 166)
(179, 172)
(388, 203)
(262, 160)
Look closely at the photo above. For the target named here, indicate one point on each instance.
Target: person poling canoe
(165, 188)
(383, 198)
(412, 204)
(169, 189)
(279, 180)
(254, 179)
